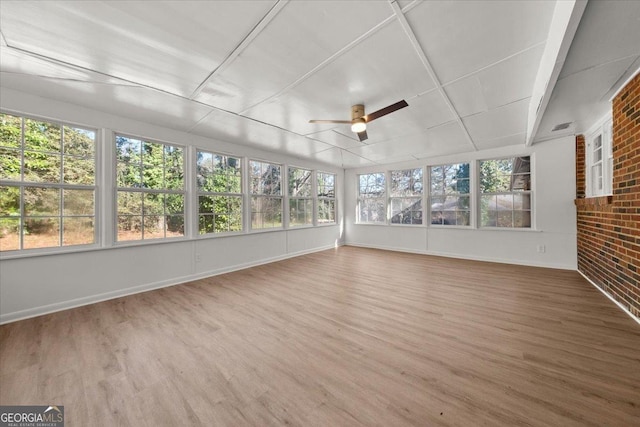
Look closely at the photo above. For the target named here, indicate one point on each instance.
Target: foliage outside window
(505, 192)
(406, 196)
(449, 194)
(219, 187)
(326, 198)
(266, 195)
(47, 184)
(300, 197)
(371, 199)
(150, 189)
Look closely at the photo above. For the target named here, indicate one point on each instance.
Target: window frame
(320, 199)
(419, 198)
(61, 186)
(197, 193)
(251, 196)
(530, 192)
(310, 197)
(185, 192)
(469, 195)
(604, 130)
(382, 197)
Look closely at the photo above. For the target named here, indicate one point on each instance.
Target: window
(600, 160)
(371, 199)
(150, 189)
(300, 197)
(326, 198)
(219, 187)
(449, 195)
(406, 196)
(505, 192)
(266, 195)
(47, 184)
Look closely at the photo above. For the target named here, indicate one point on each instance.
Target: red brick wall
(609, 227)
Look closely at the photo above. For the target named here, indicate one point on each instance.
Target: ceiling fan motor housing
(357, 111)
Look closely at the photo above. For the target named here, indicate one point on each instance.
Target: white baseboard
(92, 299)
(625, 309)
(468, 257)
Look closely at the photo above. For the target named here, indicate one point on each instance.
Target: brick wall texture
(609, 227)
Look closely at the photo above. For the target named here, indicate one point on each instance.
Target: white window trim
(194, 203)
(97, 186)
(317, 199)
(478, 207)
(602, 127)
(114, 198)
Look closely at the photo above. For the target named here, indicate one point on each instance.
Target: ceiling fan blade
(346, 122)
(362, 135)
(386, 110)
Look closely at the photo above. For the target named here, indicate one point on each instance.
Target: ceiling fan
(359, 121)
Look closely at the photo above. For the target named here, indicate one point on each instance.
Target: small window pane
(129, 227)
(41, 201)
(41, 233)
(41, 167)
(9, 234)
(78, 202)
(10, 131)
(42, 136)
(129, 203)
(78, 231)
(11, 164)
(79, 170)
(79, 142)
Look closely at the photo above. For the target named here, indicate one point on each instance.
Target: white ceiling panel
(381, 70)
(233, 128)
(260, 70)
(516, 139)
(499, 84)
(507, 120)
(294, 43)
(580, 97)
(133, 102)
(460, 37)
(608, 31)
(342, 138)
(169, 45)
(340, 158)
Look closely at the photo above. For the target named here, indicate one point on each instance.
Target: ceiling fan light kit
(359, 120)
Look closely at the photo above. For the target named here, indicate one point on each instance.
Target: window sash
(49, 141)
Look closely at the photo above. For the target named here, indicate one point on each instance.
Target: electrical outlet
(542, 249)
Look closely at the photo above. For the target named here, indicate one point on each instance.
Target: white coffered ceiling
(255, 72)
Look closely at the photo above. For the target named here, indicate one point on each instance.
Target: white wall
(33, 285)
(553, 186)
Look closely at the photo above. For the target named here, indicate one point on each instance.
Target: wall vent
(561, 126)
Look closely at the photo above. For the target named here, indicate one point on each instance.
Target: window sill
(593, 201)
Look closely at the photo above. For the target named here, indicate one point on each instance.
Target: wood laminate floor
(352, 336)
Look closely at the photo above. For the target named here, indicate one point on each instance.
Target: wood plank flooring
(345, 337)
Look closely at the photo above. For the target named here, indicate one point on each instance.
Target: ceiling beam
(427, 65)
(564, 24)
(280, 4)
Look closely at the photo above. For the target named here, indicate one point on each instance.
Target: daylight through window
(300, 197)
(505, 192)
(449, 201)
(150, 189)
(47, 191)
(326, 198)
(371, 198)
(266, 195)
(406, 196)
(219, 187)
